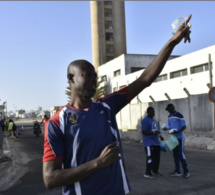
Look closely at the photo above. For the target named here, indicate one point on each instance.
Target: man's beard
(86, 94)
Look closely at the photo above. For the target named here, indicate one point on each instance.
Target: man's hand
(157, 132)
(173, 131)
(165, 127)
(161, 138)
(183, 32)
(55, 176)
(109, 155)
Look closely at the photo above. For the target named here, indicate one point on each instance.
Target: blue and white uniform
(79, 136)
(176, 121)
(150, 124)
(151, 144)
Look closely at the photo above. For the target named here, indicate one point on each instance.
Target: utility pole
(211, 83)
(6, 107)
(189, 107)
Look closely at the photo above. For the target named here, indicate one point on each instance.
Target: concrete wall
(196, 109)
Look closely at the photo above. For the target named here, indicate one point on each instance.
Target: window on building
(108, 24)
(109, 36)
(108, 2)
(179, 73)
(200, 68)
(161, 78)
(135, 69)
(108, 12)
(184, 72)
(114, 89)
(104, 78)
(109, 48)
(116, 73)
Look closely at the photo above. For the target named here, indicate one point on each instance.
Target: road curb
(7, 165)
(200, 147)
(189, 143)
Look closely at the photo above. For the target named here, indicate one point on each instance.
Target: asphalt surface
(18, 177)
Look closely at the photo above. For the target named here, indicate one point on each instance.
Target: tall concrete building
(108, 30)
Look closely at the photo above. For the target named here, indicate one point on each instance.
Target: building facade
(185, 81)
(108, 31)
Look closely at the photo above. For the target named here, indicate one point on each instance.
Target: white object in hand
(172, 130)
(165, 126)
(177, 22)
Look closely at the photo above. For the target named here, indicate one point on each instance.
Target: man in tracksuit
(151, 143)
(176, 121)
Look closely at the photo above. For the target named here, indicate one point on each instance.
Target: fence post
(1, 143)
(189, 106)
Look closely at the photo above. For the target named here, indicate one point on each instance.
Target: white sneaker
(175, 174)
(148, 176)
(186, 175)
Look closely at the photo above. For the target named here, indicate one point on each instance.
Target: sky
(38, 39)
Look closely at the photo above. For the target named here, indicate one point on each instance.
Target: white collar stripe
(176, 117)
(61, 119)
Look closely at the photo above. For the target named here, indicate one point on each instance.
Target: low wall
(197, 110)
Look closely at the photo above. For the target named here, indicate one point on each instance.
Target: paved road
(200, 163)
(26, 178)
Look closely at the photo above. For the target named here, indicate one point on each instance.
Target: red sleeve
(48, 154)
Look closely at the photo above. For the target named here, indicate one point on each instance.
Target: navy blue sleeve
(117, 100)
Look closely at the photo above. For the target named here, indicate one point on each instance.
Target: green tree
(68, 92)
(100, 89)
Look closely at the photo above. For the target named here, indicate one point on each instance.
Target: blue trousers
(178, 155)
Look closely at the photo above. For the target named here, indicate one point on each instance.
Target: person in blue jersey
(151, 143)
(82, 147)
(177, 123)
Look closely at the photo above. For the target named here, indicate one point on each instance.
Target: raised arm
(55, 176)
(154, 69)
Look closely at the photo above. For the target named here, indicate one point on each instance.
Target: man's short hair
(169, 106)
(149, 108)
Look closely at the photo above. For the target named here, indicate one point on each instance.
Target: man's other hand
(109, 155)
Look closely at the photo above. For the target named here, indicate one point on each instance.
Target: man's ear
(70, 77)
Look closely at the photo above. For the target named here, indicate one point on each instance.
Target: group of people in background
(151, 135)
(10, 126)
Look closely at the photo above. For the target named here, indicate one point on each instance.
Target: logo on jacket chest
(72, 118)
